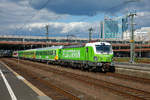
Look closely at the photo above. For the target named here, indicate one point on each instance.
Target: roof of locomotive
(87, 44)
(73, 46)
(97, 43)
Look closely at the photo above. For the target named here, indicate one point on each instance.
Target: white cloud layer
(56, 28)
(22, 16)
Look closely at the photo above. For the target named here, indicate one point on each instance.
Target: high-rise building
(113, 28)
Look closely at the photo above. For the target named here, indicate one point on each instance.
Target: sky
(73, 17)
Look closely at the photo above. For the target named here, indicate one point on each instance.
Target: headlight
(95, 58)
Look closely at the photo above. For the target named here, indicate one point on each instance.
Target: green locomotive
(98, 55)
(91, 56)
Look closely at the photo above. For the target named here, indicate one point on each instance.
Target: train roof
(73, 46)
(46, 48)
(87, 44)
(97, 43)
(53, 47)
(26, 50)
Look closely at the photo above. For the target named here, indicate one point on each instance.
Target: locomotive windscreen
(103, 48)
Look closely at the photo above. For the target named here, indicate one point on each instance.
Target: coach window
(37, 52)
(43, 52)
(49, 53)
(53, 52)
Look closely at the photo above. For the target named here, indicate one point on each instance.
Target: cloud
(143, 19)
(21, 13)
(76, 7)
(18, 16)
(77, 28)
(90, 7)
(59, 29)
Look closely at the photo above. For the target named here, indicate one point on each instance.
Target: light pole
(47, 36)
(90, 34)
(30, 29)
(132, 42)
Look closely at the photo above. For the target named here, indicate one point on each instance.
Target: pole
(47, 35)
(30, 38)
(101, 31)
(90, 34)
(132, 42)
(140, 49)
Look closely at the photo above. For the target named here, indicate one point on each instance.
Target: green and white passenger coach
(91, 56)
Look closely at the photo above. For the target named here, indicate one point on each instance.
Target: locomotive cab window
(103, 48)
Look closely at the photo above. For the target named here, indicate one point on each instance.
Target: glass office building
(113, 29)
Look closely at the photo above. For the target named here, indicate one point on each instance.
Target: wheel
(98, 69)
(112, 69)
(82, 68)
(103, 69)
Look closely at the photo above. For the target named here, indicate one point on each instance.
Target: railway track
(127, 77)
(56, 92)
(116, 75)
(121, 90)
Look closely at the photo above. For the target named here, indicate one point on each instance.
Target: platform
(136, 70)
(140, 66)
(14, 87)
